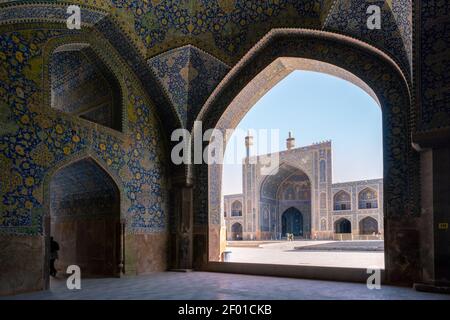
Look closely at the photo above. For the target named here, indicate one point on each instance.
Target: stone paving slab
(222, 286)
(369, 245)
(289, 256)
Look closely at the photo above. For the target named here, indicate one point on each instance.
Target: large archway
(281, 194)
(338, 55)
(85, 219)
(368, 226)
(236, 231)
(343, 226)
(292, 222)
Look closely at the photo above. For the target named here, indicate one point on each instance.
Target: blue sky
(317, 107)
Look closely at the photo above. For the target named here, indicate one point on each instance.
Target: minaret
(290, 141)
(248, 143)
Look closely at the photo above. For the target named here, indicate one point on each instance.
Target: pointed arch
(325, 52)
(236, 231)
(368, 226)
(342, 201)
(83, 85)
(343, 225)
(80, 193)
(368, 198)
(107, 65)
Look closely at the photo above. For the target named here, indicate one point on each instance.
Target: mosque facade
(300, 198)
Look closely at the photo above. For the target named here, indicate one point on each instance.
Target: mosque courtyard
(344, 254)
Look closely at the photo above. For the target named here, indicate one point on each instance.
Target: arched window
(367, 199)
(343, 226)
(236, 209)
(342, 201)
(368, 225)
(82, 86)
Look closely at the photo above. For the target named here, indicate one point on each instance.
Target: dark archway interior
(343, 226)
(292, 222)
(368, 225)
(85, 219)
(236, 231)
(82, 85)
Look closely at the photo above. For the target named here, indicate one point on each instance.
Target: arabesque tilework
(227, 29)
(188, 75)
(434, 65)
(35, 139)
(350, 17)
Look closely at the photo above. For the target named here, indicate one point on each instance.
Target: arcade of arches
(87, 117)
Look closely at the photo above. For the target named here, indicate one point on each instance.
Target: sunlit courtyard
(343, 254)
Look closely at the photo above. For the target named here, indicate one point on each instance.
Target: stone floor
(288, 253)
(356, 246)
(209, 286)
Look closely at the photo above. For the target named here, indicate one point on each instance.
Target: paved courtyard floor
(286, 253)
(212, 286)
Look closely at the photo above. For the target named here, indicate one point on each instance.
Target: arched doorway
(343, 226)
(285, 190)
(292, 222)
(85, 219)
(236, 231)
(368, 225)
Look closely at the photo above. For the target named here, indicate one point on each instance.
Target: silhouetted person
(54, 247)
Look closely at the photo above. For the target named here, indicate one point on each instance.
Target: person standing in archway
(54, 248)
